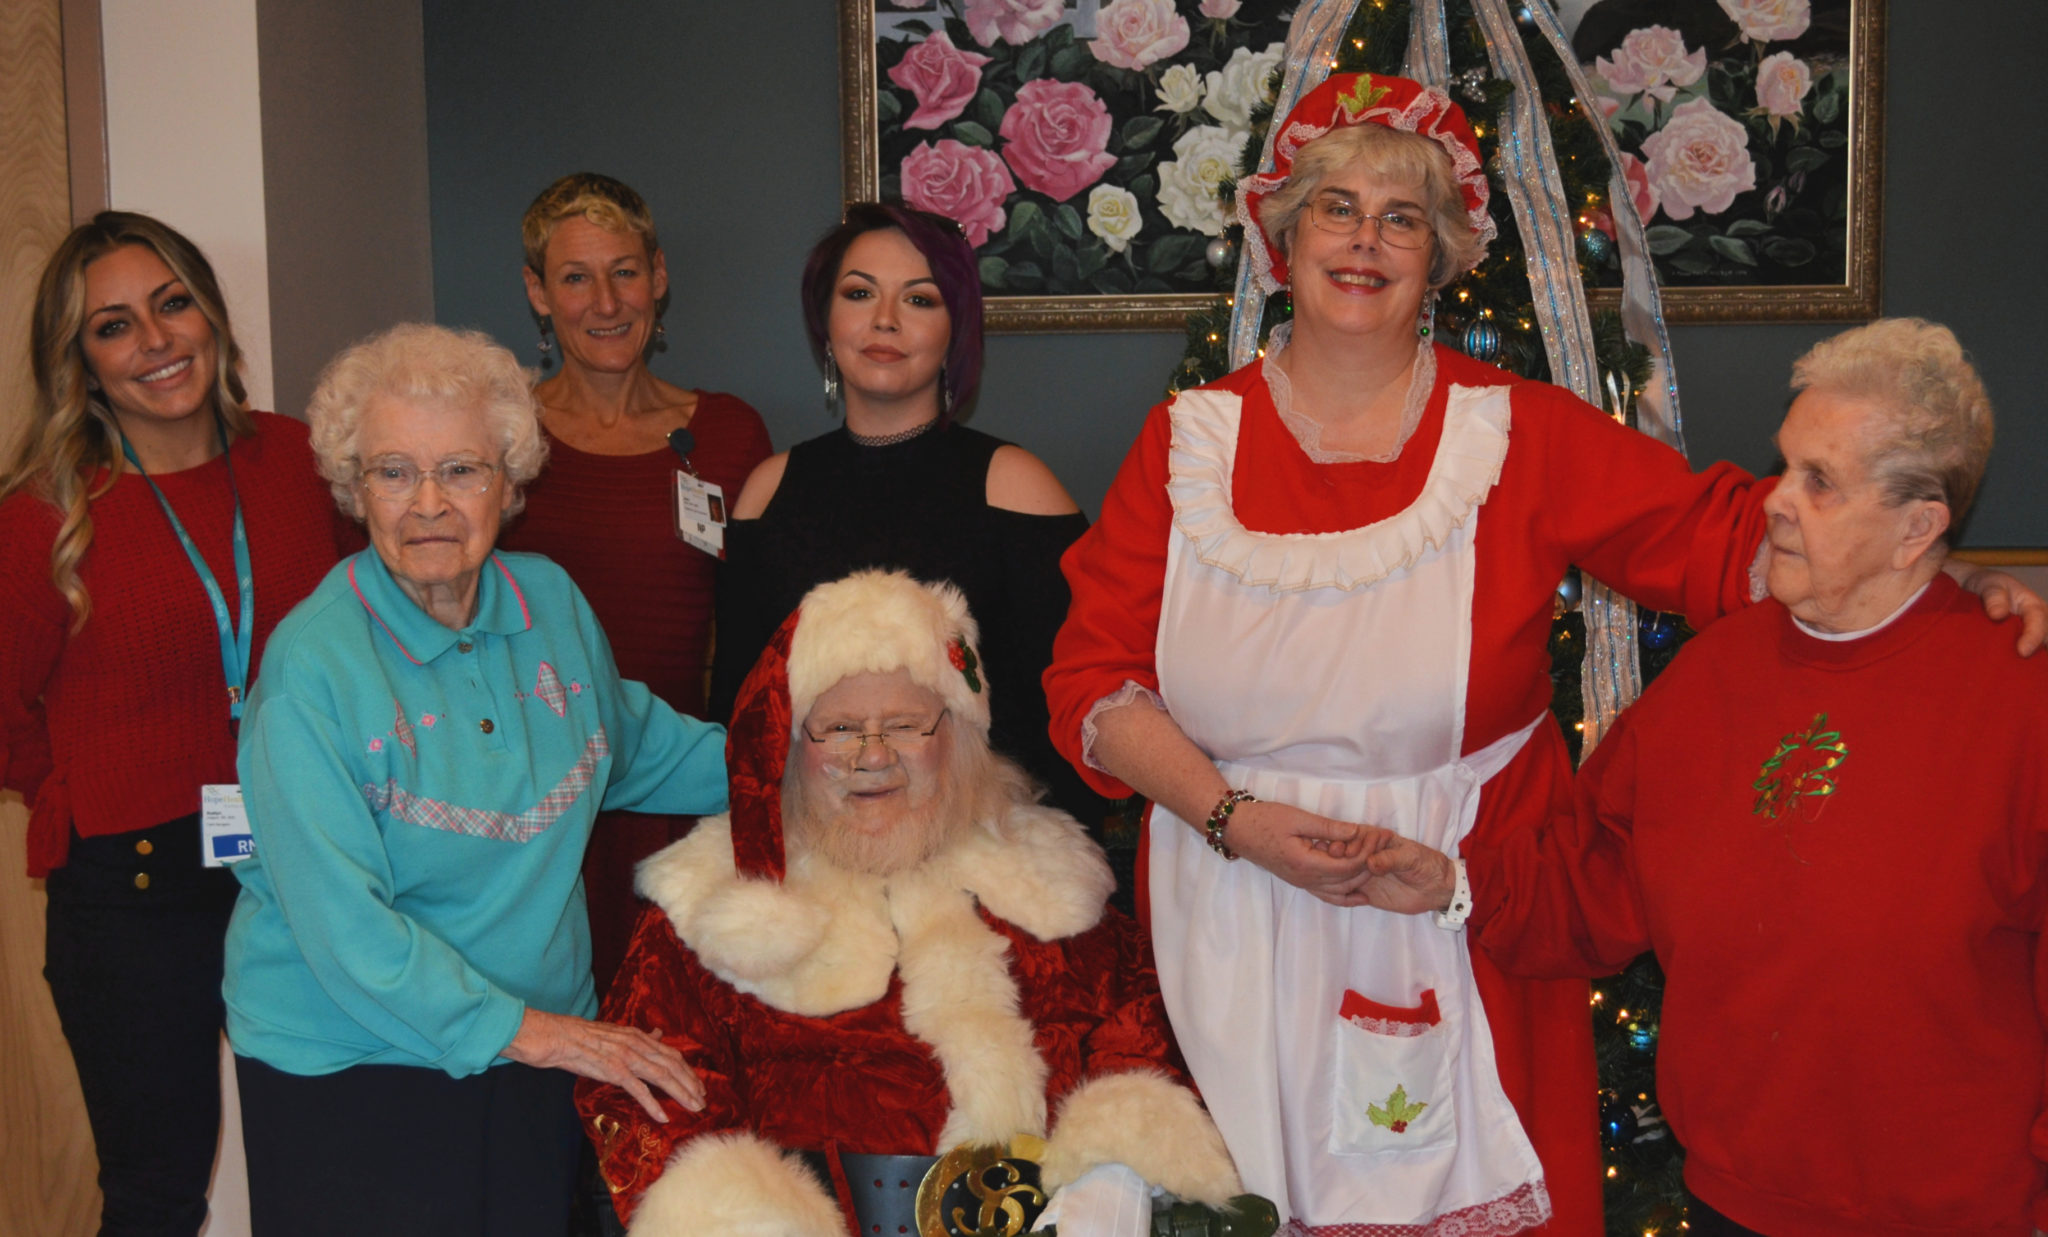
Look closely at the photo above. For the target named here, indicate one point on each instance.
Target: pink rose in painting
(1055, 137)
(1782, 81)
(1221, 10)
(943, 78)
(1012, 21)
(1640, 190)
(1135, 33)
(1652, 59)
(1764, 20)
(1699, 161)
(964, 183)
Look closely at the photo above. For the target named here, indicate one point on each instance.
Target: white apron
(1344, 1053)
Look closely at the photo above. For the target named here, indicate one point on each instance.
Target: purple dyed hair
(954, 269)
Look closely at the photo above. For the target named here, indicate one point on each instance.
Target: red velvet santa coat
(960, 1003)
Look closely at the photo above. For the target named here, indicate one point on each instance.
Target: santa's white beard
(822, 825)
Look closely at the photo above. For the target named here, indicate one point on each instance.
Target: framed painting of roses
(1078, 143)
(1751, 134)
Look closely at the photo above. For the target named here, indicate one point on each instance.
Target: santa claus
(888, 949)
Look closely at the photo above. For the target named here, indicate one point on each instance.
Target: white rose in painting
(1012, 21)
(1113, 215)
(1240, 85)
(1180, 89)
(1204, 158)
(1765, 20)
(1652, 59)
(1699, 161)
(1782, 81)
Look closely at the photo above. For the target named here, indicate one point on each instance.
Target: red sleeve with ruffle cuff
(1117, 573)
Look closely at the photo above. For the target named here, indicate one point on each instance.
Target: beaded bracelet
(1220, 817)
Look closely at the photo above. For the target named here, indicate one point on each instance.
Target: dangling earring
(945, 395)
(1427, 324)
(831, 383)
(660, 336)
(547, 340)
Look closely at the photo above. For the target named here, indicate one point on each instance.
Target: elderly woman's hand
(1323, 856)
(2004, 596)
(627, 1057)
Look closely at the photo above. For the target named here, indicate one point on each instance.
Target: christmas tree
(1486, 54)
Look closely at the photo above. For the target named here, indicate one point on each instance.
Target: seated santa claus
(889, 949)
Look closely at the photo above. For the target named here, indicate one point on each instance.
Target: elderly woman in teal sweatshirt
(408, 970)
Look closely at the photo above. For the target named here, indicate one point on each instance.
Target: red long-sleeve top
(1575, 488)
(1839, 851)
(116, 727)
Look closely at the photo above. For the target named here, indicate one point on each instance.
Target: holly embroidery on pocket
(1397, 1113)
(1802, 769)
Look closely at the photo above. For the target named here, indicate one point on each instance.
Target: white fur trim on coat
(724, 1184)
(1150, 1124)
(879, 621)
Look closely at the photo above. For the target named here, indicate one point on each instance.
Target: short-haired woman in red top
(152, 531)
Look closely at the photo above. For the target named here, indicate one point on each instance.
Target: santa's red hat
(1347, 99)
(871, 622)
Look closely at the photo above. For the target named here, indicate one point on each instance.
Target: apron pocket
(1393, 1085)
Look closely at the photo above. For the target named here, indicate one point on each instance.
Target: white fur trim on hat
(875, 622)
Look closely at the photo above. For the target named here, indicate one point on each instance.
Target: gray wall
(344, 178)
(730, 127)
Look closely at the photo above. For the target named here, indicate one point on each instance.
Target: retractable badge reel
(700, 505)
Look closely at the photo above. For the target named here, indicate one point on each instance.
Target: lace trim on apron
(1204, 455)
(1518, 1212)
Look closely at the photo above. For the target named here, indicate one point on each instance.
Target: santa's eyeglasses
(847, 740)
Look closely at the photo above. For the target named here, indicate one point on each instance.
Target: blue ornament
(1570, 591)
(1481, 340)
(1642, 1036)
(1598, 245)
(1656, 631)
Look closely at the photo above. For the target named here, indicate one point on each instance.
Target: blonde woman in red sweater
(152, 531)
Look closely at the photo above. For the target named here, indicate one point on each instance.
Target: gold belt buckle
(986, 1190)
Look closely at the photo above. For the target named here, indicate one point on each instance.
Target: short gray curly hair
(1937, 439)
(1391, 155)
(421, 362)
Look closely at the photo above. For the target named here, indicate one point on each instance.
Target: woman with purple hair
(892, 305)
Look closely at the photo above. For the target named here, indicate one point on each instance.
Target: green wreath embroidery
(1803, 768)
(1397, 1113)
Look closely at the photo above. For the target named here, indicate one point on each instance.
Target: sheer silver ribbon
(1311, 49)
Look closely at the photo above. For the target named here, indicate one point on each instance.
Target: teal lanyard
(234, 643)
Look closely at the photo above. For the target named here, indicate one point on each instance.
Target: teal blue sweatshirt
(420, 799)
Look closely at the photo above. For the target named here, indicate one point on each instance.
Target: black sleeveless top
(922, 506)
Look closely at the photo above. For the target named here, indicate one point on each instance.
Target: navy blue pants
(134, 967)
(406, 1151)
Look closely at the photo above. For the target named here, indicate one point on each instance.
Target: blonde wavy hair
(73, 436)
(418, 362)
(1394, 157)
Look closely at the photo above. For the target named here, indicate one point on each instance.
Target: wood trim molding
(85, 108)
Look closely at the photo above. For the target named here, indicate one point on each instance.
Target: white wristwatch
(1460, 909)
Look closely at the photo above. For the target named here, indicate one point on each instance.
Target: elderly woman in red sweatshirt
(1830, 821)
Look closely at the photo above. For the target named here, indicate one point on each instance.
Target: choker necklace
(890, 440)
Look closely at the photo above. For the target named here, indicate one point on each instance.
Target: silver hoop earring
(831, 383)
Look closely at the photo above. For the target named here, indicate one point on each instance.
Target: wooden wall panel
(46, 1158)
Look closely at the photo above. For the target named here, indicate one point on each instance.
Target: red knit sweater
(116, 728)
(609, 520)
(1840, 853)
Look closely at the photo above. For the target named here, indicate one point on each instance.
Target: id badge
(223, 826)
(700, 513)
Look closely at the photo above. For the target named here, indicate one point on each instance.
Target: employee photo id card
(700, 513)
(223, 826)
